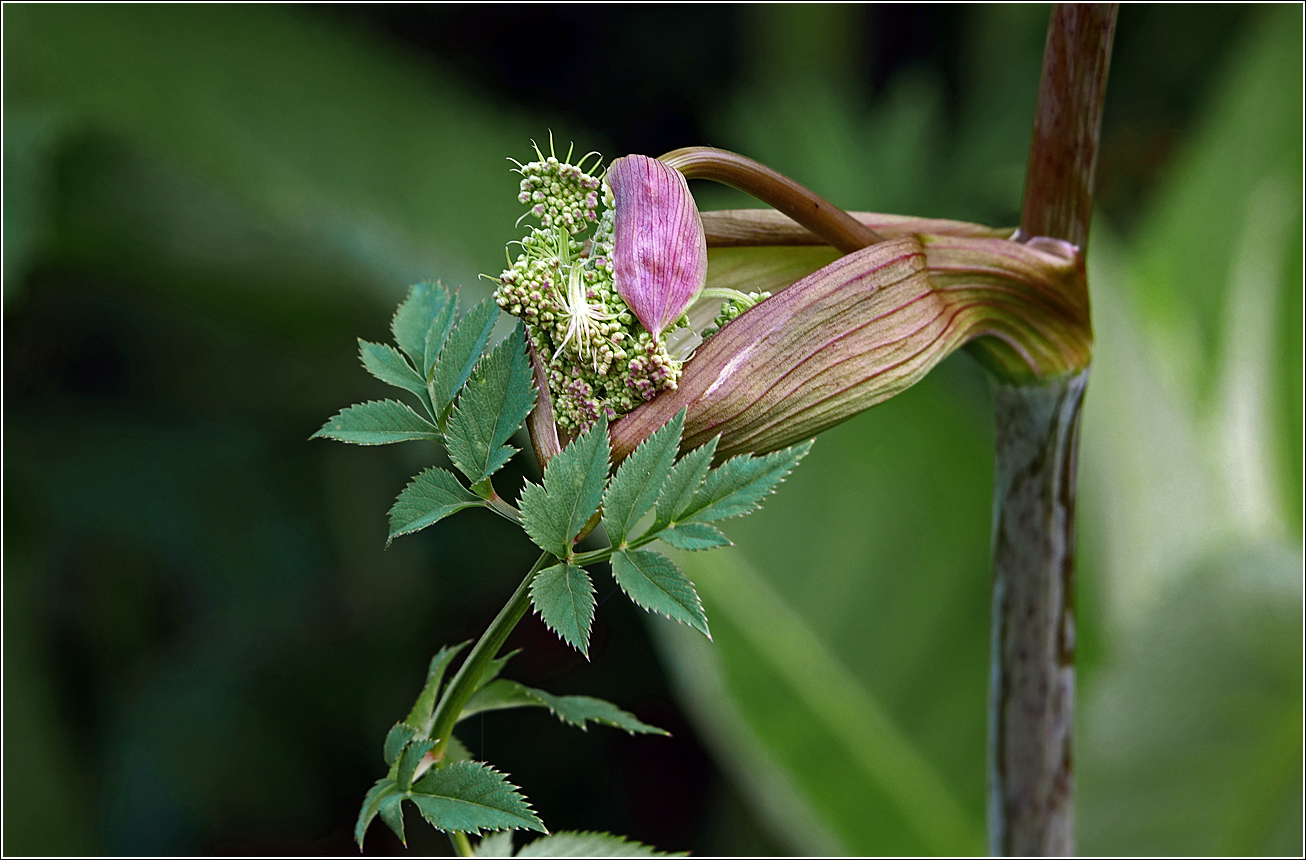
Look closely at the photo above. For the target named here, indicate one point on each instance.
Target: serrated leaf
(655, 583)
(388, 365)
(456, 751)
(460, 353)
(391, 808)
(553, 514)
(438, 335)
(638, 481)
(424, 707)
(412, 319)
(683, 482)
(399, 735)
(468, 797)
(495, 845)
(589, 844)
(409, 759)
(574, 710)
(694, 536)
(738, 485)
(564, 597)
(371, 804)
(377, 422)
(430, 497)
(494, 668)
(500, 695)
(581, 710)
(497, 399)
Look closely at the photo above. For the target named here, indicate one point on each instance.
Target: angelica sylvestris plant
(698, 355)
(593, 313)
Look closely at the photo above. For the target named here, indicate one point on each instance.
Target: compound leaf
(639, 479)
(655, 583)
(377, 422)
(564, 597)
(553, 514)
(430, 497)
(498, 397)
(469, 797)
(495, 845)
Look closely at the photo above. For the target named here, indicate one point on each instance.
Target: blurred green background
(204, 640)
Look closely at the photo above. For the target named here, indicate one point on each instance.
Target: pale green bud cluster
(600, 360)
(730, 310)
(560, 194)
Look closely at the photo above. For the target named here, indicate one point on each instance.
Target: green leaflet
(413, 318)
(495, 845)
(564, 597)
(391, 808)
(377, 422)
(460, 353)
(495, 667)
(424, 707)
(388, 365)
(371, 805)
(409, 759)
(553, 514)
(430, 497)
(694, 536)
(574, 710)
(655, 583)
(738, 485)
(438, 335)
(497, 399)
(395, 741)
(678, 491)
(469, 797)
(639, 479)
(587, 844)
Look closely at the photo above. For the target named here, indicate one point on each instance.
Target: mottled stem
(1032, 683)
(1032, 673)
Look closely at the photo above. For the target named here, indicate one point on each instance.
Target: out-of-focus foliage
(204, 642)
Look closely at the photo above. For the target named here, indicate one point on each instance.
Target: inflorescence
(600, 360)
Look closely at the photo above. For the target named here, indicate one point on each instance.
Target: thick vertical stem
(1032, 685)
(1032, 674)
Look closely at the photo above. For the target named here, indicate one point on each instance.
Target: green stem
(464, 683)
(462, 846)
(726, 293)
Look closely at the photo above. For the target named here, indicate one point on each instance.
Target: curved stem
(464, 683)
(803, 205)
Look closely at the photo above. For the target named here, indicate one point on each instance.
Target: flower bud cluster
(560, 194)
(731, 309)
(600, 359)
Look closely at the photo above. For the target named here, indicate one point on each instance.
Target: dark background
(205, 641)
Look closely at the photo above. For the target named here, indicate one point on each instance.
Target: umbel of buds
(841, 333)
(595, 336)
